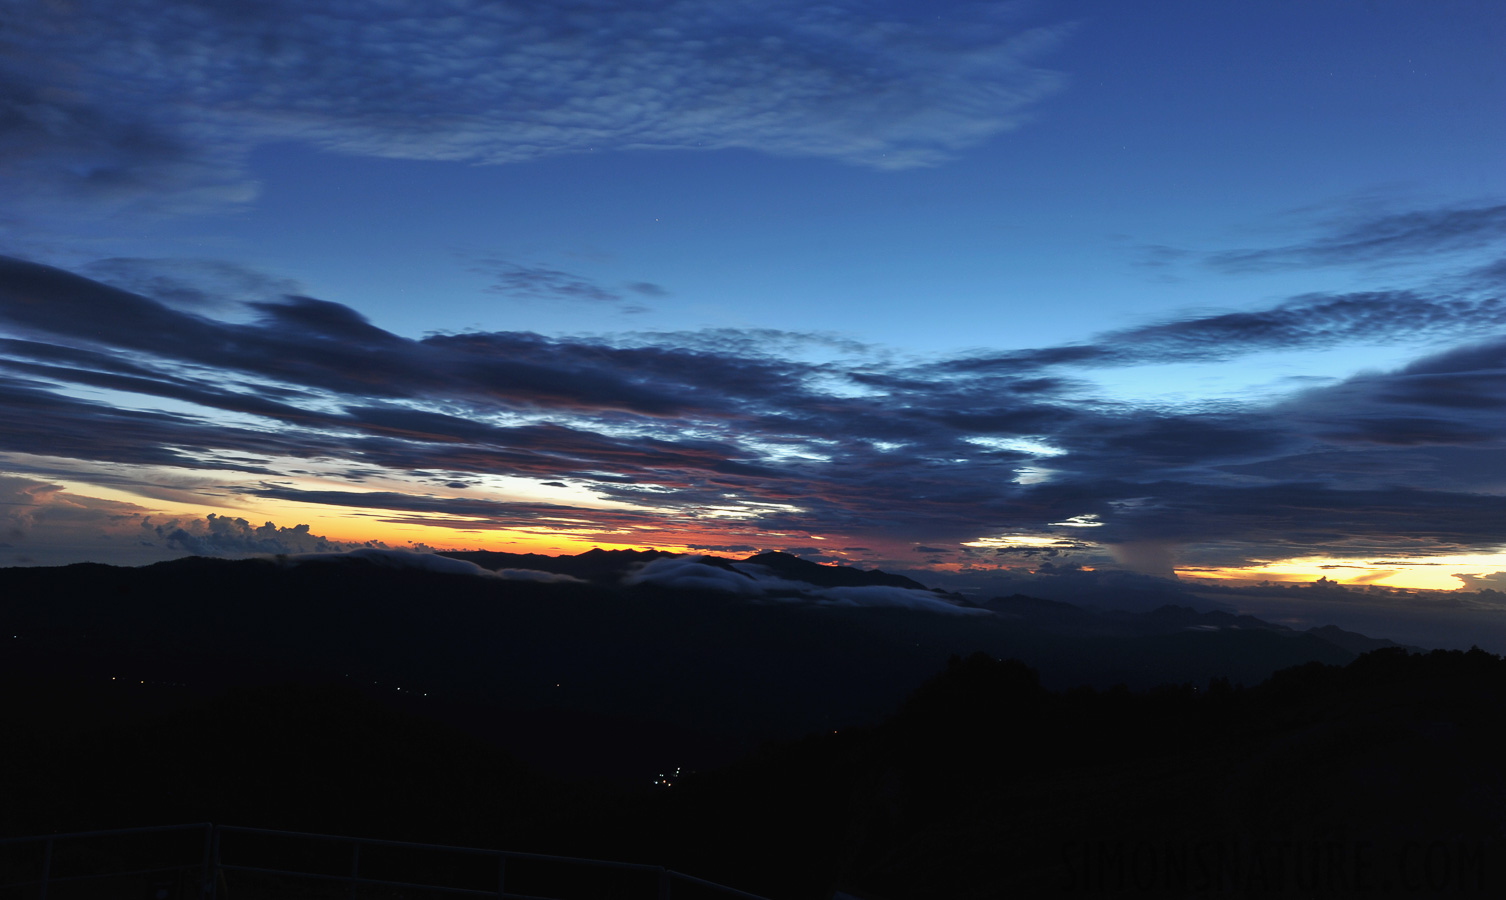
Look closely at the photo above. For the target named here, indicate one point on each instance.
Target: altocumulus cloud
(161, 102)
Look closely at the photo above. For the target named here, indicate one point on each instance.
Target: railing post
(46, 867)
(216, 872)
(205, 872)
(663, 883)
(355, 867)
(501, 874)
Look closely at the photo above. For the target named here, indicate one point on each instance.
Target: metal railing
(204, 877)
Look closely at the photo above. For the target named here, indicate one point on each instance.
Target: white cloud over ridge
(146, 98)
(430, 562)
(755, 581)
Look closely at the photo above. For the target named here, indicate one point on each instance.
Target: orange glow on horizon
(574, 532)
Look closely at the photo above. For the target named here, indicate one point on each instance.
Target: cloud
(541, 282)
(68, 143)
(646, 288)
(225, 536)
(195, 285)
(1290, 519)
(1312, 321)
(879, 596)
(485, 513)
(751, 580)
(42, 523)
(1444, 400)
(1380, 239)
(1493, 581)
(395, 559)
(767, 438)
(536, 575)
(511, 279)
(691, 573)
(160, 103)
(1491, 276)
(424, 561)
(323, 346)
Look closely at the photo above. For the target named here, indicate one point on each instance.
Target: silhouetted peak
(1355, 642)
(597, 553)
(596, 564)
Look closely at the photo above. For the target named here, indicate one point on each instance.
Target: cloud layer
(1380, 239)
(737, 439)
(755, 581)
(150, 102)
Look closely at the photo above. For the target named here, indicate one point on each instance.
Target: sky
(1176, 289)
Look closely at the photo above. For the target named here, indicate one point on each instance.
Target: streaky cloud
(1379, 239)
(729, 435)
(1311, 321)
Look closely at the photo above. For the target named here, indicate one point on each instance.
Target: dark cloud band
(727, 437)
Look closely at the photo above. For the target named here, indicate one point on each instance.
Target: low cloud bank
(755, 581)
(1110, 589)
(690, 573)
(396, 559)
(432, 562)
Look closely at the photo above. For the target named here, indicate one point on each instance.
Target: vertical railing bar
(212, 869)
(204, 869)
(214, 882)
(355, 865)
(46, 867)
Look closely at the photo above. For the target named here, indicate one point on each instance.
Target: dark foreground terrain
(234, 698)
(598, 672)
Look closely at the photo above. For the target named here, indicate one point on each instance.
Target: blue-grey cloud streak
(1380, 239)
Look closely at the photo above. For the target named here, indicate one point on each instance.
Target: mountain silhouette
(674, 670)
(598, 565)
(794, 568)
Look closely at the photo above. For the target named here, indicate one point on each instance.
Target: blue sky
(1212, 289)
(1159, 129)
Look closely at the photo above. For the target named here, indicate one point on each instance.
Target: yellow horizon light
(1433, 574)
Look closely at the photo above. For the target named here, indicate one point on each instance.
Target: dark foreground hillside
(1381, 777)
(818, 749)
(600, 674)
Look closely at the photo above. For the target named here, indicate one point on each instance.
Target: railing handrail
(712, 884)
(211, 860)
(356, 879)
(68, 835)
(487, 851)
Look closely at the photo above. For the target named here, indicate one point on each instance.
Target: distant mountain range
(1049, 616)
(1061, 618)
(677, 659)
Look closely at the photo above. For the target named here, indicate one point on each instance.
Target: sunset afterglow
(1014, 292)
